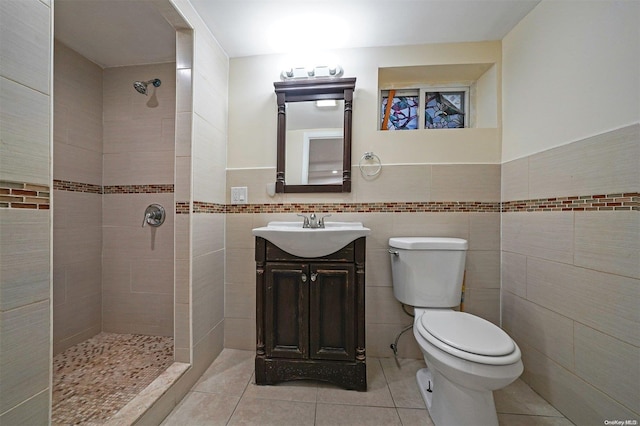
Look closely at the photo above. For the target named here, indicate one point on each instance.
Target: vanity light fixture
(319, 71)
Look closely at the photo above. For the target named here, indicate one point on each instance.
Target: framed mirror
(314, 135)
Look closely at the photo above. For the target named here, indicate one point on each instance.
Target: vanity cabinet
(310, 316)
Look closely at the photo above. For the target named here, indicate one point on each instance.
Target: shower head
(141, 86)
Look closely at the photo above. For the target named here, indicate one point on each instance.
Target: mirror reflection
(314, 124)
(315, 144)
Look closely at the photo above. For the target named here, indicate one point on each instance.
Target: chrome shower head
(141, 86)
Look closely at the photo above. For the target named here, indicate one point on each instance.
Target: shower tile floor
(94, 379)
(226, 394)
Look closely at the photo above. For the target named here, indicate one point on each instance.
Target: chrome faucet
(312, 221)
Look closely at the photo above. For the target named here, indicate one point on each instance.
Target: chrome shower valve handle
(154, 215)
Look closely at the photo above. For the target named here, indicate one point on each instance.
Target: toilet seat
(467, 337)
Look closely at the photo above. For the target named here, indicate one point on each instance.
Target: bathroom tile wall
(208, 158)
(77, 209)
(182, 194)
(571, 277)
(571, 224)
(199, 199)
(411, 200)
(138, 161)
(25, 217)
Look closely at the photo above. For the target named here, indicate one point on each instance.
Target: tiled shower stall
(113, 156)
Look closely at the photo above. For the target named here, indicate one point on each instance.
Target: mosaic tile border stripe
(392, 207)
(67, 185)
(604, 202)
(24, 195)
(138, 189)
(204, 207)
(32, 196)
(182, 207)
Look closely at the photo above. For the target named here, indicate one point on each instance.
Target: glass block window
(445, 110)
(402, 113)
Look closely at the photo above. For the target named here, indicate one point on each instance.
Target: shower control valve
(154, 215)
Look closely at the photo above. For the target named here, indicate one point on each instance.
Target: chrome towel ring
(376, 167)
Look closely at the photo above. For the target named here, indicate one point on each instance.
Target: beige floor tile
(377, 394)
(303, 391)
(522, 420)
(264, 412)
(336, 415)
(199, 408)
(401, 378)
(518, 398)
(229, 374)
(414, 417)
(392, 398)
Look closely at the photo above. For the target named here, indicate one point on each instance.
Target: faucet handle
(321, 222)
(305, 224)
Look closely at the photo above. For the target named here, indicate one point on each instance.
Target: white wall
(570, 71)
(252, 107)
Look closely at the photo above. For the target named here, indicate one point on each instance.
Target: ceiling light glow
(305, 32)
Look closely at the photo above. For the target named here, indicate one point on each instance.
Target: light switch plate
(239, 195)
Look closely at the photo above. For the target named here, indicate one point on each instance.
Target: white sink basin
(311, 242)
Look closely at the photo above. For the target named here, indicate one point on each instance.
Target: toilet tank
(428, 271)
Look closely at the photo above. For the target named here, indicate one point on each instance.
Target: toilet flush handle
(394, 252)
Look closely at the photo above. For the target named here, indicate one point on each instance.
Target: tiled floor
(226, 395)
(94, 379)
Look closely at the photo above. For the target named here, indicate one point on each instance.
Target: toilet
(467, 357)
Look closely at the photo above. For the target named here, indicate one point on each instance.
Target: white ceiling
(132, 32)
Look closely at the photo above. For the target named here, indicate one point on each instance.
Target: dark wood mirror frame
(314, 90)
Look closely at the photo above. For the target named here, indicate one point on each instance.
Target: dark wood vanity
(310, 316)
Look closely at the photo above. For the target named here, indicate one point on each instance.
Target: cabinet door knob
(313, 277)
(304, 278)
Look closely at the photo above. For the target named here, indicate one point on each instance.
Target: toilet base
(425, 384)
(451, 405)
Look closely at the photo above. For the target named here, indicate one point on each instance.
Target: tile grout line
(244, 391)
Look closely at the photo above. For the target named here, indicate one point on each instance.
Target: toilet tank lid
(428, 243)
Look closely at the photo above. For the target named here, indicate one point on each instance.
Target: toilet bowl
(467, 357)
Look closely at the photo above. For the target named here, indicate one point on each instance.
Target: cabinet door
(286, 310)
(332, 311)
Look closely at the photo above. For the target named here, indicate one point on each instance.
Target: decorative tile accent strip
(138, 189)
(620, 201)
(204, 207)
(24, 195)
(182, 207)
(67, 185)
(392, 207)
(32, 196)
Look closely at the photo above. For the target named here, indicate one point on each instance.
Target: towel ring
(370, 156)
